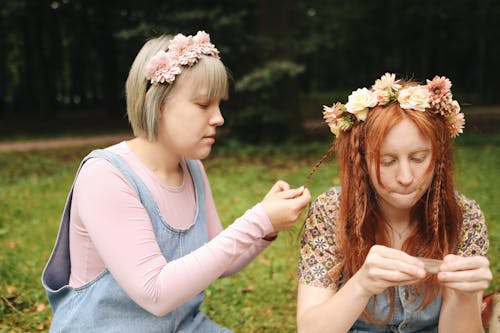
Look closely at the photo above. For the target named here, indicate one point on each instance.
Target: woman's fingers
(278, 187)
(392, 277)
(403, 269)
(395, 255)
(394, 263)
(467, 274)
(453, 263)
(281, 185)
(290, 193)
(468, 287)
(385, 267)
(284, 207)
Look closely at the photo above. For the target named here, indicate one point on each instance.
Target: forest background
(63, 63)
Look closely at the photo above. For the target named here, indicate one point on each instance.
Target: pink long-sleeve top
(110, 229)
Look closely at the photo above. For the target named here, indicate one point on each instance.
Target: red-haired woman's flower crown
(163, 67)
(435, 97)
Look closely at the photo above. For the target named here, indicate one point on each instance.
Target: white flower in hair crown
(435, 96)
(164, 66)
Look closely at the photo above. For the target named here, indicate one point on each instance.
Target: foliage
(261, 298)
(67, 55)
(267, 77)
(261, 113)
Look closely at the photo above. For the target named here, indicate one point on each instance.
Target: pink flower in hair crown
(164, 66)
(337, 118)
(434, 97)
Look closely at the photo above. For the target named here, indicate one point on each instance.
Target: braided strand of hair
(359, 183)
(318, 163)
(435, 204)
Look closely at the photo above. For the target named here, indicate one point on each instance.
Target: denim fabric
(407, 318)
(101, 305)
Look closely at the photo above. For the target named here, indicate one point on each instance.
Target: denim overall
(101, 305)
(406, 317)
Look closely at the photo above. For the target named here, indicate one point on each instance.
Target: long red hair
(360, 226)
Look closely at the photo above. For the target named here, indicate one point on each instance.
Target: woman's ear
(162, 108)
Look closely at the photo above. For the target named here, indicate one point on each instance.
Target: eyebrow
(200, 96)
(418, 150)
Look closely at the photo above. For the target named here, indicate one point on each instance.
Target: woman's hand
(283, 205)
(465, 274)
(463, 279)
(385, 267)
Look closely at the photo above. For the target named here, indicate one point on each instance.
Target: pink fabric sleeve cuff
(262, 216)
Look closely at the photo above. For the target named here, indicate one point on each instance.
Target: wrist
(358, 287)
(458, 296)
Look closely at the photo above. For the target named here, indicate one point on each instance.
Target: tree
(59, 56)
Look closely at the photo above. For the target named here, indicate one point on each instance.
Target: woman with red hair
(395, 248)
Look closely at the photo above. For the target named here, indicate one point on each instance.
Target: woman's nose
(217, 119)
(405, 174)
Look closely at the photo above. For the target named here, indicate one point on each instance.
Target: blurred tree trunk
(3, 66)
(106, 50)
(99, 23)
(53, 57)
(481, 59)
(78, 56)
(35, 91)
(276, 18)
(110, 74)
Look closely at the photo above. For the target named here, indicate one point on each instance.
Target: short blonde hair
(144, 101)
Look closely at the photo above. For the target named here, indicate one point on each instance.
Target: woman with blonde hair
(394, 248)
(140, 237)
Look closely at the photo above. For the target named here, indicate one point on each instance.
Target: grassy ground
(33, 188)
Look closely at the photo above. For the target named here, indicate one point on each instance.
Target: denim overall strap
(58, 268)
(101, 305)
(407, 316)
(140, 188)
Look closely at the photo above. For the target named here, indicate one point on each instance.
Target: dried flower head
(440, 88)
(456, 124)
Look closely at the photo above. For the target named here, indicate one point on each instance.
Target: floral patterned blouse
(318, 240)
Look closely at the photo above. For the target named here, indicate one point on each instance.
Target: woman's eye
(419, 158)
(387, 162)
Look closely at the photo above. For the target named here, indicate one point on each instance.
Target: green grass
(33, 188)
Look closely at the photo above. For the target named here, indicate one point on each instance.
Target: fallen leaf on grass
(43, 326)
(248, 289)
(40, 307)
(263, 260)
(11, 290)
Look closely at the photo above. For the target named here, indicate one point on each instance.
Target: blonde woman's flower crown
(435, 97)
(164, 67)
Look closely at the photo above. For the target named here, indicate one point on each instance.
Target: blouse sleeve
(474, 240)
(317, 248)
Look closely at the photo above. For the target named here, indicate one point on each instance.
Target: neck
(399, 233)
(398, 223)
(156, 158)
(395, 217)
